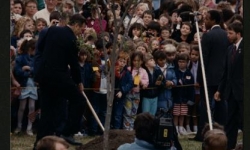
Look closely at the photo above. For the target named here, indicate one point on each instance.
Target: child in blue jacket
(123, 84)
(23, 72)
(183, 96)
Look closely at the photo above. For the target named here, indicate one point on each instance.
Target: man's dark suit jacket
(214, 49)
(232, 80)
(56, 49)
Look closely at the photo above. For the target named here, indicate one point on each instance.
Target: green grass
(25, 142)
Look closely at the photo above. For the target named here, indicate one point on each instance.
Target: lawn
(24, 142)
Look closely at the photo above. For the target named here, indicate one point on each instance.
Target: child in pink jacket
(140, 78)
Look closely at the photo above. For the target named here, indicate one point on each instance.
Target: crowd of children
(157, 57)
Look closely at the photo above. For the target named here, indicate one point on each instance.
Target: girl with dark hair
(23, 72)
(140, 79)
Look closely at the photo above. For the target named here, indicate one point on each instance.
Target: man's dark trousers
(52, 94)
(218, 110)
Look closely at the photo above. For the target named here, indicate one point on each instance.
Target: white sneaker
(188, 129)
(17, 131)
(29, 132)
(239, 131)
(182, 131)
(79, 134)
(177, 130)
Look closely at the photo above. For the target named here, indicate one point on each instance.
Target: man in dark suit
(231, 85)
(57, 51)
(214, 49)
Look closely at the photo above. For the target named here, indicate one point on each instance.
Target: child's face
(194, 56)
(182, 64)
(163, 21)
(121, 62)
(171, 57)
(183, 50)
(18, 8)
(196, 37)
(155, 44)
(30, 26)
(161, 62)
(136, 32)
(174, 18)
(83, 58)
(150, 63)
(137, 62)
(31, 8)
(185, 30)
(119, 38)
(40, 25)
(147, 18)
(140, 10)
(154, 32)
(141, 49)
(67, 8)
(27, 36)
(165, 34)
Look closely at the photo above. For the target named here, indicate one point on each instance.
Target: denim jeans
(118, 109)
(99, 103)
(149, 105)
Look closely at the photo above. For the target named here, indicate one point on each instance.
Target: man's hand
(80, 86)
(217, 96)
(119, 94)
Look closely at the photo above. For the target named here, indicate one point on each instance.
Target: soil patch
(116, 138)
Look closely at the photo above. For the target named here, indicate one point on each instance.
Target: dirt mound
(116, 138)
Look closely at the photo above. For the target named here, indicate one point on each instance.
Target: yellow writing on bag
(165, 133)
(95, 68)
(137, 80)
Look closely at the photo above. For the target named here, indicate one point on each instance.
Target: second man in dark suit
(231, 86)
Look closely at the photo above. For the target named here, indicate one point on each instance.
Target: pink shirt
(143, 75)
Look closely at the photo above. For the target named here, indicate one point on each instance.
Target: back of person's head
(51, 143)
(65, 16)
(236, 18)
(215, 15)
(207, 128)
(227, 14)
(215, 139)
(144, 127)
(77, 19)
(223, 5)
(54, 15)
(27, 45)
